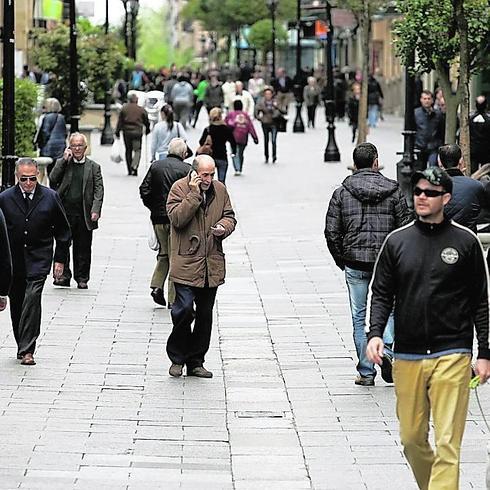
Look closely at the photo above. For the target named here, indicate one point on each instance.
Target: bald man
(201, 217)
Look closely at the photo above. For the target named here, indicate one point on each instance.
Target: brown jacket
(132, 119)
(196, 254)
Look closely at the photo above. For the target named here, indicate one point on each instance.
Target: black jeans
(188, 345)
(311, 110)
(272, 131)
(25, 311)
(81, 250)
(132, 142)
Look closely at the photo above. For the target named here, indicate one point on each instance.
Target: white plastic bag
(152, 238)
(117, 151)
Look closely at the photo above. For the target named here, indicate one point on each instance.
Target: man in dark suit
(5, 263)
(81, 189)
(35, 218)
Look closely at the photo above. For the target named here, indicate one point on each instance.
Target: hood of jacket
(369, 186)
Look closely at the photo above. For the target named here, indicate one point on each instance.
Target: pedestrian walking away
(35, 219)
(268, 113)
(182, 97)
(375, 100)
(79, 183)
(241, 124)
(353, 109)
(311, 96)
(132, 120)
(201, 217)
(362, 212)
(220, 134)
(164, 132)
(51, 135)
(154, 191)
(434, 273)
(5, 263)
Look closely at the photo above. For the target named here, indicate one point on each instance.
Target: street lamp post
(298, 126)
(107, 137)
(134, 9)
(331, 151)
(405, 167)
(272, 4)
(125, 28)
(74, 88)
(8, 96)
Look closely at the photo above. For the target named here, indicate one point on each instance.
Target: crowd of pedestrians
(417, 280)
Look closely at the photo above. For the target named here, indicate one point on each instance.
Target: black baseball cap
(436, 176)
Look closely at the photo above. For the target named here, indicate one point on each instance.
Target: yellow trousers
(439, 386)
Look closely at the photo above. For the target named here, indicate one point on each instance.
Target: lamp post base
(332, 153)
(107, 136)
(298, 126)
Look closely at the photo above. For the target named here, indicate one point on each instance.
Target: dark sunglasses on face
(30, 179)
(428, 192)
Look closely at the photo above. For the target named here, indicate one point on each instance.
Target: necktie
(27, 200)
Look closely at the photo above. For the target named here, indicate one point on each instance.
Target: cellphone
(193, 174)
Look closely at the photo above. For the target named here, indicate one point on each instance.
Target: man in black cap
(434, 272)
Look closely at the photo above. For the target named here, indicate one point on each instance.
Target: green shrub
(25, 117)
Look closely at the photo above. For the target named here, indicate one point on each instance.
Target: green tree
(260, 36)
(449, 36)
(25, 117)
(99, 56)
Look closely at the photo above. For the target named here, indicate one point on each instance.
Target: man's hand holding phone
(67, 154)
(195, 182)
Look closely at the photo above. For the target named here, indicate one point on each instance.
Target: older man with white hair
(154, 192)
(246, 98)
(201, 217)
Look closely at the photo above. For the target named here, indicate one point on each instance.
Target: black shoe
(364, 381)
(62, 282)
(82, 285)
(199, 372)
(175, 370)
(274, 159)
(158, 298)
(387, 368)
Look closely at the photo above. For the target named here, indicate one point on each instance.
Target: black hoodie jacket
(362, 212)
(436, 276)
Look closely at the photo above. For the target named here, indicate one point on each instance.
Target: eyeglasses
(30, 179)
(428, 192)
(77, 146)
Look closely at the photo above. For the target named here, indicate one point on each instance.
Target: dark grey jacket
(430, 129)
(93, 186)
(5, 258)
(362, 212)
(467, 199)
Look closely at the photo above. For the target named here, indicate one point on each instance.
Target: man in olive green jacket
(201, 217)
(79, 183)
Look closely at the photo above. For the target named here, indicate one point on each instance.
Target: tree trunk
(463, 85)
(452, 103)
(365, 24)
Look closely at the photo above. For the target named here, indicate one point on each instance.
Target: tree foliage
(260, 35)
(100, 56)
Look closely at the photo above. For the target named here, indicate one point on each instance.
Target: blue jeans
(373, 114)
(222, 167)
(358, 285)
(238, 158)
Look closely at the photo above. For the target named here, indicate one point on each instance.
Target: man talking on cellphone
(434, 272)
(35, 219)
(201, 217)
(79, 183)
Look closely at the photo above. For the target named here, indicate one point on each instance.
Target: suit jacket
(5, 258)
(32, 233)
(93, 186)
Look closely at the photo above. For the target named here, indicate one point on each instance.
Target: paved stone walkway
(99, 411)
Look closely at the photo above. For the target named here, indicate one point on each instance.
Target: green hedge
(25, 117)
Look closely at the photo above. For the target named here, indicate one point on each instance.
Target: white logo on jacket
(450, 255)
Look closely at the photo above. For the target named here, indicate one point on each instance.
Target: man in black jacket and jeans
(360, 215)
(434, 272)
(154, 192)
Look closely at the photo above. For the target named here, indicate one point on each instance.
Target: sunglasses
(428, 192)
(30, 179)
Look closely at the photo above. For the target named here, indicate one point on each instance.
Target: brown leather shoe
(175, 370)
(200, 372)
(82, 285)
(28, 360)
